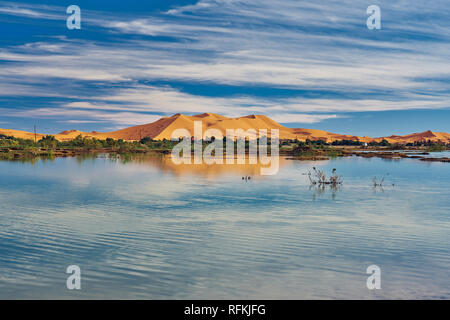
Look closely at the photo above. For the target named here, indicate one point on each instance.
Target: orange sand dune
(164, 128)
(20, 134)
(422, 136)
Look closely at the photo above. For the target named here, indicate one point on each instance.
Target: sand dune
(164, 128)
(20, 134)
(427, 135)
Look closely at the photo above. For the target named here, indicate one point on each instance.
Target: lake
(145, 228)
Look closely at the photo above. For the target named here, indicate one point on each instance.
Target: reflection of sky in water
(147, 230)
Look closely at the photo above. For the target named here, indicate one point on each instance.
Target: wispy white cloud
(34, 11)
(82, 121)
(119, 119)
(191, 8)
(303, 118)
(20, 12)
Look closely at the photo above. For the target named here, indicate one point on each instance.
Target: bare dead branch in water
(378, 184)
(318, 177)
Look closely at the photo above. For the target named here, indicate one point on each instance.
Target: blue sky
(304, 64)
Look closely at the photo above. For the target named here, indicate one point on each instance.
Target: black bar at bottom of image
(220, 309)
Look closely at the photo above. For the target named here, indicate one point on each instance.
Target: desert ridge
(164, 128)
(21, 134)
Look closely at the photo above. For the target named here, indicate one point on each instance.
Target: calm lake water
(149, 229)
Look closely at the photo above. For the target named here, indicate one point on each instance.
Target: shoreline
(25, 154)
(17, 153)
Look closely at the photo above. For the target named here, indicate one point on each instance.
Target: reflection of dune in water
(165, 164)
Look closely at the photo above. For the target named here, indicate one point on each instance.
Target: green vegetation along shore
(16, 148)
(12, 148)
